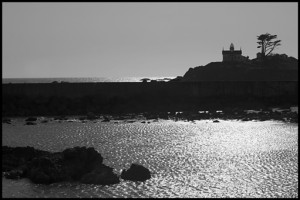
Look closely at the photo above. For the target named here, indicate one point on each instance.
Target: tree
(266, 44)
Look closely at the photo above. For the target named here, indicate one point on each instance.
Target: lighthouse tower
(231, 48)
(232, 55)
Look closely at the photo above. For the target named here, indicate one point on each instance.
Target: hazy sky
(135, 39)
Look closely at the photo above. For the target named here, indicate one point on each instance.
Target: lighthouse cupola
(231, 47)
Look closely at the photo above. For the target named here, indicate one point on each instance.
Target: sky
(47, 40)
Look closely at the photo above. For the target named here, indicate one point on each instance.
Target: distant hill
(273, 68)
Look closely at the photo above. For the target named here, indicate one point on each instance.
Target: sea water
(187, 159)
(82, 79)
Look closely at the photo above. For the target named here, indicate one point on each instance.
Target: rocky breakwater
(79, 164)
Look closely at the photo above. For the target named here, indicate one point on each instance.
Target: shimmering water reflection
(200, 159)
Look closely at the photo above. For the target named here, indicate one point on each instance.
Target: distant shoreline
(82, 79)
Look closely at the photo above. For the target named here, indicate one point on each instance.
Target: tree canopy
(267, 44)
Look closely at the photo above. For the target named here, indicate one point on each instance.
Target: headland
(246, 84)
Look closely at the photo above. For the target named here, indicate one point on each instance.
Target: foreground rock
(136, 173)
(14, 174)
(103, 175)
(75, 164)
(17, 158)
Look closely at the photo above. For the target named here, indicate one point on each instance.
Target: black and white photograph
(150, 99)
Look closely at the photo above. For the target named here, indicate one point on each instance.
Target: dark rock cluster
(227, 114)
(80, 164)
(31, 119)
(136, 173)
(30, 123)
(6, 120)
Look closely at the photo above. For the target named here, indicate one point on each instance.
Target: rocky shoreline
(81, 164)
(285, 114)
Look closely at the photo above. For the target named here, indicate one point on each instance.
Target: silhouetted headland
(251, 84)
(273, 68)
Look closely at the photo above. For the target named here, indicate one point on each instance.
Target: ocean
(200, 159)
(82, 79)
